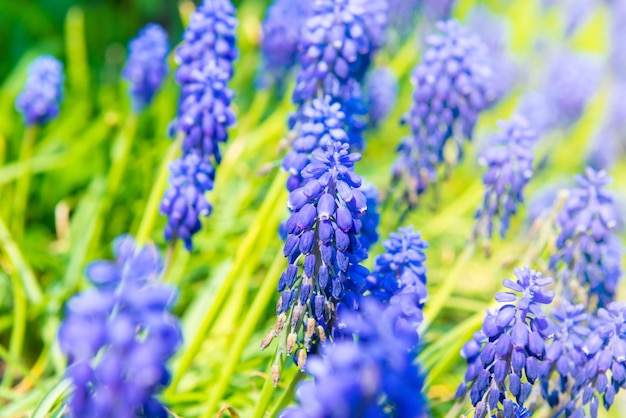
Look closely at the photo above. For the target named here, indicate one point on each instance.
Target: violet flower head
(381, 93)
(399, 275)
(588, 253)
(282, 30)
(322, 248)
(119, 336)
(509, 161)
(146, 66)
(41, 97)
(184, 201)
(453, 84)
(505, 356)
(374, 377)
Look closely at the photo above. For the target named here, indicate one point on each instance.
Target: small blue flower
(185, 201)
(381, 93)
(509, 161)
(41, 97)
(505, 356)
(453, 84)
(119, 336)
(146, 66)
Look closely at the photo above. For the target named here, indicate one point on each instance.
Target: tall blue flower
(119, 336)
(399, 275)
(184, 201)
(588, 254)
(374, 377)
(41, 97)
(381, 93)
(146, 66)
(505, 356)
(282, 29)
(509, 161)
(322, 248)
(453, 84)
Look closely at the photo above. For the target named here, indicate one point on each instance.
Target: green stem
(263, 297)
(29, 282)
(246, 251)
(268, 386)
(152, 207)
(23, 182)
(48, 401)
(287, 395)
(18, 331)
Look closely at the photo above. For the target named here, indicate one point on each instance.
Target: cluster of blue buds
(588, 253)
(41, 97)
(509, 161)
(119, 336)
(381, 93)
(282, 29)
(146, 66)
(453, 84)
(399, 275)
(206, 65)
(505, 356)
(374, 377)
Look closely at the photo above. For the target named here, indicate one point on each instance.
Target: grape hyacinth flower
(146, 66)
(323, 250)
(184, 201)
(399, 275)
(374, 377)
(281, 33)
(509, 161)
(119, 336)
(381, 93)
(453, 84)
(371, 218)
(588, 253)
(504, 358)
(41, 97)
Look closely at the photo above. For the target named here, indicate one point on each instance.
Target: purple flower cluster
(41, 97)
(588, 253)
(119, 336)
(322, 247)
(206, 65)
(453, 84)
(505, 357)
(399, 276)
(146, 66)
(381, 93)
(375, 377)
(509, 161)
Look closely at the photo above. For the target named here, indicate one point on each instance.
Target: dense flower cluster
(588, 254)
(41, 97)
(381, 92)
(322, 247)
(504, 358)
(146, 66)
(206, 65)
(282, 30)
(374, 377)
(509, 161)
(452, 86)
(119, 336)
(399, 275)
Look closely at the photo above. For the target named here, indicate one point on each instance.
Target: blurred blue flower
(453, 84)
(437, 9)
(505, 356)
(119, 336)
(184, 201)
(146, 66)
(373, 377)
(588, 253)
(41, 97)
(509, 161)
(371, 218)
(381, 93)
